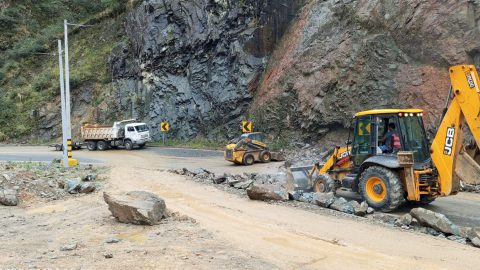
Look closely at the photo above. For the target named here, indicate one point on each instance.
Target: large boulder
(434, 220)
(340, 204)
(8, 197)
(325, 199)
(137, 207)
(265, 192)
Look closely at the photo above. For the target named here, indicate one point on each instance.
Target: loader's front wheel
(381, 188)
(248, 159)
(324, 183)
(265, 156)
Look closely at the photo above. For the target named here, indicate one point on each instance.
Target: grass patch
(194, 143)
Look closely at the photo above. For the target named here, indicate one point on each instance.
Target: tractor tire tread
(394, 185)
(329, 182)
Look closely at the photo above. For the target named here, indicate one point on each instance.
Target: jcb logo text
(447, 150)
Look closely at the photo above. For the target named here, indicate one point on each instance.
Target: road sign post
(165, 126)
(247, 126)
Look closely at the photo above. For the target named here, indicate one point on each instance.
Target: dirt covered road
(213, 229)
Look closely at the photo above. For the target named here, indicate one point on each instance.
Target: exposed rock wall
(197, 63)
(341, 57)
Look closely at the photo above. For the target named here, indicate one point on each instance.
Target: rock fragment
(73, 186)
(137, 207)
(8, 197)
(69, 247)
(476, 242)
(361, 210)
(325, 199)
(262, 192)
(406, 219)
(219, 179)
(340, 204)
(87, 188)
(434, 220)
(468, 232)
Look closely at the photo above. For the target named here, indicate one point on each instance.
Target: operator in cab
(387, 138)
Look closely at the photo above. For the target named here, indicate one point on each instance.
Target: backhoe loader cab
(409, 135)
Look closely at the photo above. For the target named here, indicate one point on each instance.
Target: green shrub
(74, 82)
(19, 81)
(8, 19)
(42, 82)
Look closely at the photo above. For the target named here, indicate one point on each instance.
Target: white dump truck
(127, 133)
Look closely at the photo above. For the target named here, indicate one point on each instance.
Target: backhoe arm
(448, 141)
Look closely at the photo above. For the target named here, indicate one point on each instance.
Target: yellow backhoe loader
(407, 168)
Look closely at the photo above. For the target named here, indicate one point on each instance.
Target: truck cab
(137, 133)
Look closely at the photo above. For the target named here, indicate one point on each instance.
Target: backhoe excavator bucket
(299, 176)
(467, 167)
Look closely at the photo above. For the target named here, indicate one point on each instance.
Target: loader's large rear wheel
(248, 159)
(265, 156)
(324, 183)
(381, 188)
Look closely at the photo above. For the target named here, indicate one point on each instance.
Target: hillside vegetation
(29, 72)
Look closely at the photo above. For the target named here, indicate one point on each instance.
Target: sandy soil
(221, 230)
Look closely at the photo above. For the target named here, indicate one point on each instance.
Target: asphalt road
(463, 209)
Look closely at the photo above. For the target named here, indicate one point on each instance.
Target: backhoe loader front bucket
(299, 176)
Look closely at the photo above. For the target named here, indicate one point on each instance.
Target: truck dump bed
(96, 132)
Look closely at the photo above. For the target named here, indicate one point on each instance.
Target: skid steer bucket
(277, 156)
(299, 176)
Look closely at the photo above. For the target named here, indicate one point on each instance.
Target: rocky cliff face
(196, 64)
(341, 57)
(297, 69)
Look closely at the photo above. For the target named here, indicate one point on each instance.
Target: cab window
(361, 144)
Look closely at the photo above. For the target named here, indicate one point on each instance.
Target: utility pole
(62, 96)
(71, 161)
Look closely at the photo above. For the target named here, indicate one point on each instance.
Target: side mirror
(348, 142)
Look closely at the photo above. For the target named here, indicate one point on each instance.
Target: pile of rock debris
(22, 182)
(275, 188)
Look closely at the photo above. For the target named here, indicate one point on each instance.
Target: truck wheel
(58, 147)
(128, 145)
(381, 188)
(101, 146)
(324, 183)
(248, 159)
(91, 146)
(265, 156)
(141, 145)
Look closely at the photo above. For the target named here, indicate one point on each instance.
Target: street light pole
(71, 161)
(62, 96)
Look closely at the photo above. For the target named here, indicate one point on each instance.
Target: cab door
(362, 140)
